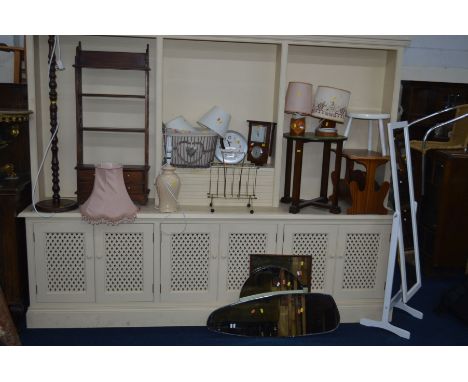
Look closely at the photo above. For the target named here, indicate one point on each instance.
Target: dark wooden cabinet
(421, 98)
(15, 196)
(443, 208)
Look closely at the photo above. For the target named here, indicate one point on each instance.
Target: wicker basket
(191, 149)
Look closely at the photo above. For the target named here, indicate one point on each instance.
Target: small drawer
(85, 175)
(135, 188)
(133, 176)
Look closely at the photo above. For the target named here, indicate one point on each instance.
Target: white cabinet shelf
(175, 269)
(210, 262)
(190, 262)
(124, 262)
(63, 262)
(76, 262)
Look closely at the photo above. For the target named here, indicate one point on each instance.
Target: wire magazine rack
(233, 181)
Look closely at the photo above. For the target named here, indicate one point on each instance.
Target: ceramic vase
(167, 187)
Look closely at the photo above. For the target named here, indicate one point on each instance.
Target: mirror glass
(270, 279)
(282, 315)
(299, 266)
(409, 266)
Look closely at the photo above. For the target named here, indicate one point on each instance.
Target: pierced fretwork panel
(241, 245)
(124, 261)
(190, 257)
(361, 258)
(65, 262)
(315, 245)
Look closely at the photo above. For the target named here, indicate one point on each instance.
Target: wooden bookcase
(135, 176)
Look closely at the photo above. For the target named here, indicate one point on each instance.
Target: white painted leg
(348, 128)
(369, 142)
(382, 138)
(386, 326)
(415, 313)
(389, 301)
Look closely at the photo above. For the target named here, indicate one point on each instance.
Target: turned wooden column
(56, 204)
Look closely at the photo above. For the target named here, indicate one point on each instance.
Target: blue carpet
(434, 329)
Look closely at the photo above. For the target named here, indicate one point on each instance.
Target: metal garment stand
(434, 128)
(401, 298)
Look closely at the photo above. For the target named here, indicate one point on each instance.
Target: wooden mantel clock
(260, 142)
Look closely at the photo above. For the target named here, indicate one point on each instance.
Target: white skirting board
(90, 316)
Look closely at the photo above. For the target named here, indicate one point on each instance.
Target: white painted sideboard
(175, 269)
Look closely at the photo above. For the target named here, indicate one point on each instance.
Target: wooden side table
(322, 201)
(366, 198)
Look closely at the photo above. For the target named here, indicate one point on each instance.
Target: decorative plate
(235, 148)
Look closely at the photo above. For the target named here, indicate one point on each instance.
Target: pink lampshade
(299, 98)
(109, 201)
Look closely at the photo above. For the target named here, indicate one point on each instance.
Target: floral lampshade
(331, 103)
(217, 120)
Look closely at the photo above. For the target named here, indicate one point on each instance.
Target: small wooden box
(135, 178)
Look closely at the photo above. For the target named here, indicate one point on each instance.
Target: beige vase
(167, 187)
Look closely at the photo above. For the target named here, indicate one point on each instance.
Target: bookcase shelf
(245, 75)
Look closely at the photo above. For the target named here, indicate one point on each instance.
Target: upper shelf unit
(241, 78)
(245, 75)
(136, 177)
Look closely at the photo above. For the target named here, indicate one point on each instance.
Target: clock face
(235, 148)
(256, 152)
(258, 133)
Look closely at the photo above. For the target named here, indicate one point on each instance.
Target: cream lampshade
(330, 105)
(299, 104)
(179, 124)
(217, 120)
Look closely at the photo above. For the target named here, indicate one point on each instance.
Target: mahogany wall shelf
(135, 176)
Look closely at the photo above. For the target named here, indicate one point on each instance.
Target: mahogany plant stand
(366, 196)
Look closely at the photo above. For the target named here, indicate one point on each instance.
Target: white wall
(436, 58)
(6, 61)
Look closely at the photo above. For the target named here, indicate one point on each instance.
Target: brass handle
(14, 131)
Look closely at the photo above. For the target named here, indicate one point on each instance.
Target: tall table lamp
(299, 104)
(330, 105)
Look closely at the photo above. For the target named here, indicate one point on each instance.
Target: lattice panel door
(238, 241)
(189, 261)
(64, 262)
(319, 242)
(124, 262)
(361, 262)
